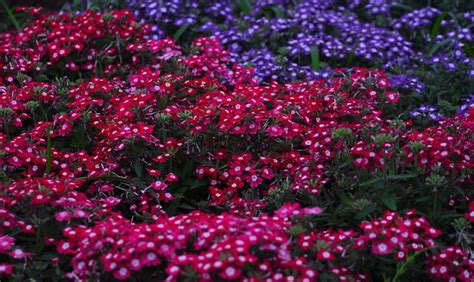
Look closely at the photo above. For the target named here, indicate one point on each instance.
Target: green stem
(180, 32)
(402, 266)
(49, 154)
(315, 62)
(10, 15)
(245, 6)
(7, 128)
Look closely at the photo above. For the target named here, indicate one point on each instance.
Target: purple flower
(426, 112)
(417, 19)
(264, 63)
(407, 82)
(376, 7)
(467, 103)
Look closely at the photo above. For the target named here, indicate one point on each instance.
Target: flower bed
(125, 157)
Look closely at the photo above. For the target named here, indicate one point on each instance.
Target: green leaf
(315, 64)
(344, 198)
(198, 183)
(437, 25)
(278, 12)
(113, 178)
(138, 167)
(245, 6)
(402, 176)
(407, 8)
(438, 45)
(469, 50)
(10, 15)
(180, 32)
(295, 230)
(454, 17)
(49, 154)
(370, 182)
(350, 58)
(389, 200)
(186, 206)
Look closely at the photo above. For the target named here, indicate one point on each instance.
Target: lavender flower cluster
(467, 104)
(416, 19)
(426, 112)
(407, 82)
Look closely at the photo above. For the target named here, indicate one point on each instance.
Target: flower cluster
(417, 18)
(200, 245)
(452, 264)
(186, 246)
(468, 105)
(442, 145)
(426, 112)
(407, 82)
(399, 236)
(129, 157)
(69, 44)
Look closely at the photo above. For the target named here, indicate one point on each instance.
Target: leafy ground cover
(128, 155)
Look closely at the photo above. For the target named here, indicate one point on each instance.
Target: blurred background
(50, 4)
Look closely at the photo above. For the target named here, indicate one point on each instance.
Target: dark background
(50, 4)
